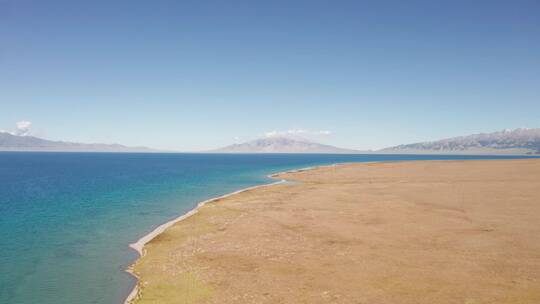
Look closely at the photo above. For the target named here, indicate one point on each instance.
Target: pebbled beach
(391, 232)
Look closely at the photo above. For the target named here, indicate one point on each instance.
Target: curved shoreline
(139, 244)
(278, 244)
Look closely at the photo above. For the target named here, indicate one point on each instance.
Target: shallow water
(67, 218)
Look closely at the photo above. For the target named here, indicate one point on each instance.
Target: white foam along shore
(139, 244)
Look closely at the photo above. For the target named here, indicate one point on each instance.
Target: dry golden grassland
(464, 232)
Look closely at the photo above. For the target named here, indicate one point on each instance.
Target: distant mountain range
(282, 145)
(518, 141)
(10, 142)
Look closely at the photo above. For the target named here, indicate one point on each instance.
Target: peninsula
(403, 232)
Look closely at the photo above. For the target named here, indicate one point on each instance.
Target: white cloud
(22, 128)
(297, 133)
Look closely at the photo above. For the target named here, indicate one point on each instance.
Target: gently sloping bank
(139, 244)
(407, 232)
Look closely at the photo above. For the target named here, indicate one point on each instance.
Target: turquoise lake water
(67, 218)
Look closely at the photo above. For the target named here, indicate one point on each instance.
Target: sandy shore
(407, 232)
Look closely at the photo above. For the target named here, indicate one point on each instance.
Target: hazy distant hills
(10, 142)
(518, 141)
(282, 145)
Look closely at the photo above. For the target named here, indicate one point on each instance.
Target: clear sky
(192, 75)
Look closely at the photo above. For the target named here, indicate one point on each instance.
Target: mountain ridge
(23, 143)
(517, 141)
(282, 145)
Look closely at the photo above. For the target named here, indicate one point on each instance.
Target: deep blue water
(67, 218)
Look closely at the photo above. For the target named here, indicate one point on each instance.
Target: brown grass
(464, 232)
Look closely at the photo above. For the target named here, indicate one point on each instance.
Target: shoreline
(279, 244)
(138, 246)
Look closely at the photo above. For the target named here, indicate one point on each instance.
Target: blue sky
(193, 75)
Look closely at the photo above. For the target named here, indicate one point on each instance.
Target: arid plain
(464, 232)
